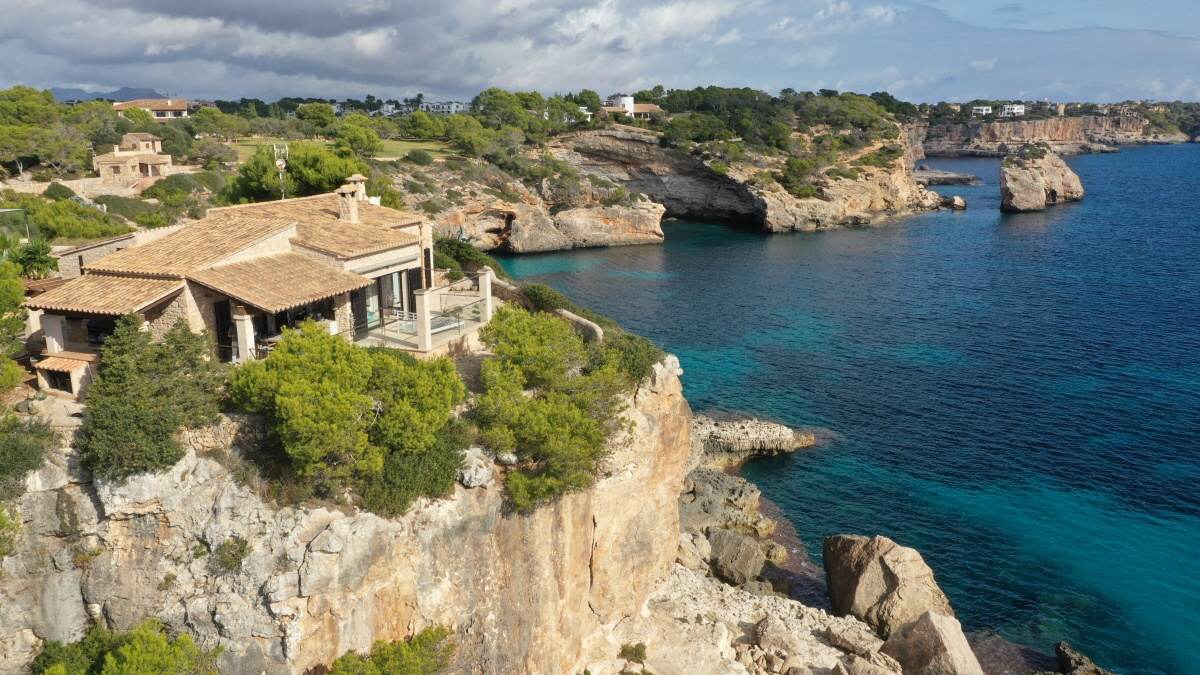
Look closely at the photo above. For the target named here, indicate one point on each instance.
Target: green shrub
(849, 173)
(634, 652)
(434, 206)
(228, 556)
(426, 653)
(719, 167)
(545, 348)
(57, 191)
(409, 475)
(419, 157)
(10, 530)
(126, 207)
(443, 261)
(340, 412)
(143, 393)
(61, 220)
(883, 157)
(632, 354)
(153, 220)
(23, 446)
(145, 649)
(560, 432)
(468, 257)
(416, 187)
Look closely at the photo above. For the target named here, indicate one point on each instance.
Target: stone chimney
(347, 203)
(359, 183)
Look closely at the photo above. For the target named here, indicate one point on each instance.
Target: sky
(919, 50)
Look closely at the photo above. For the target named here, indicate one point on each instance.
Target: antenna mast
(281, 155)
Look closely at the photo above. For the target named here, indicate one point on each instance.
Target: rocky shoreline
(739, 560)
(1064, 135)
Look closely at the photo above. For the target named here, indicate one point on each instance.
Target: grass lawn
(392, 148)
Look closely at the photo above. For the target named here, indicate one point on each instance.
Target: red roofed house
(163, 109)
(246, 272)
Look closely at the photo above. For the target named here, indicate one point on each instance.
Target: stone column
(343, 316)
(485, 289)
(404, 291)
(52, 329)
(245, 333)
(424, 320)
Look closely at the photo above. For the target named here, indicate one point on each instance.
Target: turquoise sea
(1016, 396)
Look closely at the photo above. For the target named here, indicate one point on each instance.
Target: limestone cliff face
(689, 188)
(1066, 135)
(1032, 180)
(522, 591)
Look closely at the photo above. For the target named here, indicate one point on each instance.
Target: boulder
(772, 634)
(933, 644)
(476, 470)
(1035, 178)
(1072, 662)
(736, 558)
(954, 203)
(877, 580)
(714, 498)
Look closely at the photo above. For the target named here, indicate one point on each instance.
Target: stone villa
(138, 156)
(244, 273)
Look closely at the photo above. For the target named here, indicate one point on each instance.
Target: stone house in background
(244, 273)
(138, 156)
(162, 109)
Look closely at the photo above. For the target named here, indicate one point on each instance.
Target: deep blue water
(1016, 396)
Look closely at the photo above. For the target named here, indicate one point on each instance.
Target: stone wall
(522, 591)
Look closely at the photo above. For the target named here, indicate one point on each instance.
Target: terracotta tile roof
(278, 282)
(140, 136)
(36, 286)
(196, 246)
(60, 364)
(324, 208)
(350, 240)
(105, 295)
(153, 104)
(144, 158)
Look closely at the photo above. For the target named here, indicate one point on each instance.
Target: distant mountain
(122, 94)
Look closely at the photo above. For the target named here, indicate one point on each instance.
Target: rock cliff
(1034, 178)
(1065, 135)
(522, 591)
(689, 188)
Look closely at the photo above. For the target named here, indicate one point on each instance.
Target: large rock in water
(877, 580)
(934, 644)
(1035, 178)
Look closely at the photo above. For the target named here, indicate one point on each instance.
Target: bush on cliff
(468, 257)
(144, 392)
(560, 427)
(22, 448)
(345, 415)
(146, 648)
(426, 653)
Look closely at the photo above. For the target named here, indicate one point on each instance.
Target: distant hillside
(122, 94)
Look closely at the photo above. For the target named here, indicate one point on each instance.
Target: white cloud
(732, 36)
(983, 64)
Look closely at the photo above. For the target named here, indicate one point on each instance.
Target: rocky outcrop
(696, 625)
(1064, 135)
(535, 229)
(726, 443)
(877, 580)
(927, 176)
(523, 591)
(1072, 662)
(1035, 178)
(932, 644)
(690, 188)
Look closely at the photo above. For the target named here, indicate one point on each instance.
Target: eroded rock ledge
(1034, 178)
(725, 443)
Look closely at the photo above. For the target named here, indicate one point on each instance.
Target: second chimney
(347, 203)
(359, 183)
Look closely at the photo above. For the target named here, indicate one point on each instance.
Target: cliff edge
(522, 591)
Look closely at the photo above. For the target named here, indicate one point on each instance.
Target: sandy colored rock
(1035, 178)
(1064, 135)
(523, 591)
(735, 557)
(877, 580)
(723, 443)
(933, 644)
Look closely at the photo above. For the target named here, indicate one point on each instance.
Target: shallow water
(1017, 396)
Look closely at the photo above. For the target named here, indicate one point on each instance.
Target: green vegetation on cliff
(144, 392)
(426, 653)
(144, 649)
